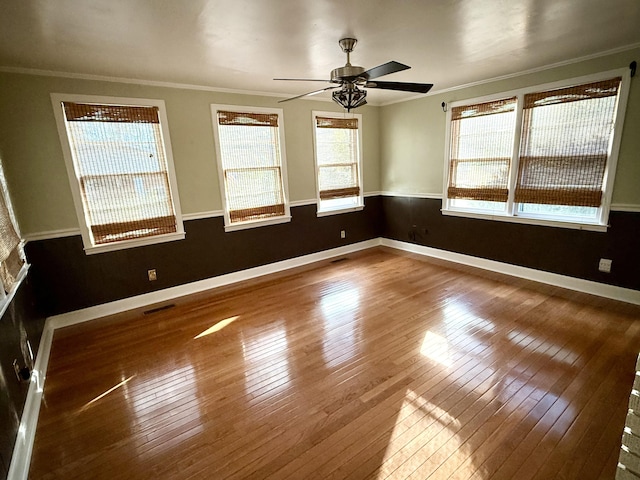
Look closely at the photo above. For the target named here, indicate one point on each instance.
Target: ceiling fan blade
(401, 86)
(310, 93)
(385, 69)
(301, 79)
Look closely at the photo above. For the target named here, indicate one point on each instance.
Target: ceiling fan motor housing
(348, 72)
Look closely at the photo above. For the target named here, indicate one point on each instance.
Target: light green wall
(32, 157)
(403, 143)
(412, 144)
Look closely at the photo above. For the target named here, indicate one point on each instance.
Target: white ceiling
(244, 44)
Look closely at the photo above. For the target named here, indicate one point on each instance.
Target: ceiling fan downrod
(348, 73)
(347, 45)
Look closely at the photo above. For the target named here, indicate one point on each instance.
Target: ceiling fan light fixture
(350, 97)
(348, 78)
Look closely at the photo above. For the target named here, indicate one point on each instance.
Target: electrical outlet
(23, 374)
(152, 275)
(343, 234)
(605, 265)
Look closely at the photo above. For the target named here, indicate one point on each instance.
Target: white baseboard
(586, 286)
(21, 458)
(118, 306)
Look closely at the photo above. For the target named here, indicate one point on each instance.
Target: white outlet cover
(605, 265)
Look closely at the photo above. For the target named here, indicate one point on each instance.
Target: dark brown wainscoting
(20, 322)
(67, 279)
(382, 366)
(574, 253)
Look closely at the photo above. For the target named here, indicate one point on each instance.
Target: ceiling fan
(351, 80)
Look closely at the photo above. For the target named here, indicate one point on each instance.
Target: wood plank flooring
(379, 366)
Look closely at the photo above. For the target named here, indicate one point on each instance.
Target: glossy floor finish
(378, 366)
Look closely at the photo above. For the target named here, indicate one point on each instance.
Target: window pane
(567, 129)
(489, 136)
(103, 148)
(566, 139)
(124, 198)
(336, 203)
(253, 146)
(335, 177)
(478, 205)
(336, 145)
(249, 188)
(481, 173)
(337, 161)
(480, 152)
(121, 166)
(251, 161)
(558, 210)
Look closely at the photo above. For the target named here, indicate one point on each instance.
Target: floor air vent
(159, 309)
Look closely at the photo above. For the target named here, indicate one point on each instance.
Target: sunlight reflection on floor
(266, 361)
(436, 348)
(112, 389)
(339, 310)
(217, 327)
(418, 422)
(170, 403)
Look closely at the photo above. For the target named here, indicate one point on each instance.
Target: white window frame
(85, 228)
(228, 225)
(322, 212)
(511, 214)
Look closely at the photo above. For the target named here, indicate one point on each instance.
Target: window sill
(139, 242)
(256, 223)
(594, 227)
(336, 211)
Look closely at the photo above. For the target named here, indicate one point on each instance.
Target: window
(481, 151)
(338, 161)
(543, 155)
(12, 262)
(120, 168)
(252, 166)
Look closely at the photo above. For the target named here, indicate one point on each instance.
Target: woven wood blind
(565, 144)
(327, 122)
(84, 112)
(122, 170)
(337, 157)
(481, 149)
(248, 119)
(11, 260)
(251, 164)
(257, 213)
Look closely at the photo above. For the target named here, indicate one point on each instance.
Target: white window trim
(360, 203)
(511, 215)
(89, 247)
(231, 227)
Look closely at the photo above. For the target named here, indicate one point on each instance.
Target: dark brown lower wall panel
(20, 323)
(67, 279)
(574, 253)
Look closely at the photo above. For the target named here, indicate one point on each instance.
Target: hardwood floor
(379, 366)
